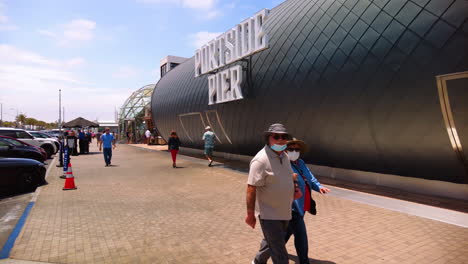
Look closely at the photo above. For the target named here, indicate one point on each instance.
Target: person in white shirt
(148, 136)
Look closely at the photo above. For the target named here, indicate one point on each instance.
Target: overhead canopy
(80, 122)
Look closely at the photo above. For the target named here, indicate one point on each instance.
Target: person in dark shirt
(173, 145)
(82, 142)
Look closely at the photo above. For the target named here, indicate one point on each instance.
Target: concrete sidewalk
(141, 210)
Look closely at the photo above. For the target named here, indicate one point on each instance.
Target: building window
(173, 65)
(163, 69)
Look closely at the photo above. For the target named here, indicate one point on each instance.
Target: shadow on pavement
(311, 260)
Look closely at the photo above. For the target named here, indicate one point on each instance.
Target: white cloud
(212, 14)
(75, 62)
(200, 38)
(34, 80)
(77, 31)
(13, 55)
(203, 4)
(47, 33)
(207, 6)
(125, 72)
(200, 4)
(80, 29)
(5, 24)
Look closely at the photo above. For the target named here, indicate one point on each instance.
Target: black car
(20, 175)
(10, 150)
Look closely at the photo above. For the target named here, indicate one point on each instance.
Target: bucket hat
(302, 144)
(276, 129)
(208, 128)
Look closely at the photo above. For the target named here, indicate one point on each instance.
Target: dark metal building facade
(366, 84)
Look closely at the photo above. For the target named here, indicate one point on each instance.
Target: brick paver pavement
(144, 211)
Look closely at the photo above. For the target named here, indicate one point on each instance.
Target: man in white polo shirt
(270, 193)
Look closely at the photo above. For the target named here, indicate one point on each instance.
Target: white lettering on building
(241, 41)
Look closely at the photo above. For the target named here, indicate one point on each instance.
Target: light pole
(61, 136)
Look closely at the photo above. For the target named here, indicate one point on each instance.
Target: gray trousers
(273, 243)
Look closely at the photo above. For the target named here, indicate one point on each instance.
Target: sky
(99, 52)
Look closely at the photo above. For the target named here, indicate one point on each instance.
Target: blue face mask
(277, 147)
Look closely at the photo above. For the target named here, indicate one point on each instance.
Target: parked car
(20, 175)
(17, 142)
(37, 134)
(47, 144)
(10, 150)
(56, 133)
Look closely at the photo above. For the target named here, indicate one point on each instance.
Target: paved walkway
(142, 210)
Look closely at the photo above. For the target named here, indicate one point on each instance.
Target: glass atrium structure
(131, 115)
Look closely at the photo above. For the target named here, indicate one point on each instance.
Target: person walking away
(90, 136)
(147, 136)
(81, 138)
(88, 141)
(271, 190)
(173, 145)
(108, 141)
(306, 182)
(208, 137)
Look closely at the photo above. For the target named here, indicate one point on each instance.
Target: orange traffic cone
(70, 180)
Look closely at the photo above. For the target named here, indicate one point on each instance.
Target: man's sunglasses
(294, 149)
(282, 136)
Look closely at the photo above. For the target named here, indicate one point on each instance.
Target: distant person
(271, 186)
(147, 136)
(208, 137)
(90, 136)
(173, 145)
(98, 138)
(82, 141)
(108, 140)
(88, 140)
(128, 137)
(74, 150)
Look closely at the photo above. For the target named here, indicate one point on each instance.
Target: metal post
(61, 137)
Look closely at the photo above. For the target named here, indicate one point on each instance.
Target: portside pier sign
(241, 41)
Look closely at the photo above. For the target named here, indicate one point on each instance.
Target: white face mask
(293, 155)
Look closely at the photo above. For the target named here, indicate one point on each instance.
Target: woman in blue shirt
(307, 182)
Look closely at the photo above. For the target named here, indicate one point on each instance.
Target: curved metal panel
(354, 79)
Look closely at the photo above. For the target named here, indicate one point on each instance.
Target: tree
(41, 124)
(21, 119)
(31, 122)
(52, 125)
(8, 124)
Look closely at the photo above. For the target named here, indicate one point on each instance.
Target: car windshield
(14, 142)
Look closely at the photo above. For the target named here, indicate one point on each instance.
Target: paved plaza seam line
(5, 253)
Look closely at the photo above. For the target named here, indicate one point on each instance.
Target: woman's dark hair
(173, 133)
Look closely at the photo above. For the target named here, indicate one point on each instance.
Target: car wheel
(26, 182)
(58, 146)
(49, 150)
